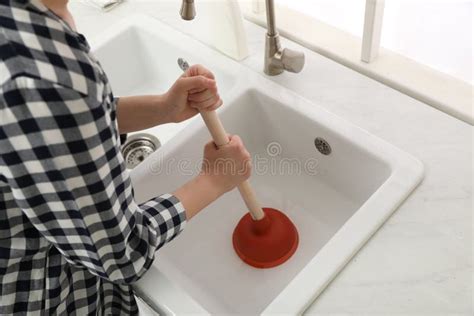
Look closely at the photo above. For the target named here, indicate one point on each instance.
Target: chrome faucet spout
(271, 27)
(278, 59)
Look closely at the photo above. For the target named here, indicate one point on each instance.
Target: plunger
(264, 237)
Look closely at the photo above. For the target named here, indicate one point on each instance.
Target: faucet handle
(292, 60)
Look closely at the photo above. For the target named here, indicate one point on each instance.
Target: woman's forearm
(197, 194)
(141, 112)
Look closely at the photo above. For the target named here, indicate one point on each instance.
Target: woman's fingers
(199, 70)
(215, 106)
(203, 96)
(196, 90)
(208, 105)
(196, 83)
(201, 86)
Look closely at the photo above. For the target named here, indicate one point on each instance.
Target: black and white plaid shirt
(72, 239)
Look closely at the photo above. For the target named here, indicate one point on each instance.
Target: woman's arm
(194, 91)
(141, 112)
(60, 155)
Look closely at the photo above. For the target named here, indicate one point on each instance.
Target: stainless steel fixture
(188, 12)
(138, 147)
(278, 59)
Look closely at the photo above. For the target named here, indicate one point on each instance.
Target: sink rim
(406, 173)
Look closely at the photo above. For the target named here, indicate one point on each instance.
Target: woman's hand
(226, 166)
(223, 169)
(194, 91)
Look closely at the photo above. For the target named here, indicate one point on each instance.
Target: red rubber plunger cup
(267, 242)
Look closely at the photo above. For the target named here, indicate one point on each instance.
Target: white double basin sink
(337, 201)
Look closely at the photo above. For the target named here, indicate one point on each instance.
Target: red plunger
(265, 243)
(263, 238)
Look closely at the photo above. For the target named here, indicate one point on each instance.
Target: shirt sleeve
(60, 154)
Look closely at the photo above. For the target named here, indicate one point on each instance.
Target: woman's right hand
(223, 169)
(226, 166)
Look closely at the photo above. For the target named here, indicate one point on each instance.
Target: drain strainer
(322, 146)
(138, 147)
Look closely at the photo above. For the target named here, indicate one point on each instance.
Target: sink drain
(322, 146)
(138, 147)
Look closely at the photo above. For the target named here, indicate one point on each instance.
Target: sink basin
(337, 200)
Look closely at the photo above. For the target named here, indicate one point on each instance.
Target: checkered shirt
(72, 238)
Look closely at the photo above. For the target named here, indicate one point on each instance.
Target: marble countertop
(420, 261)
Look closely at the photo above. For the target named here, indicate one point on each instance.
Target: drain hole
(322, 146)
(138, 147)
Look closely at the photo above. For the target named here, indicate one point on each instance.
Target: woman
(72, 238)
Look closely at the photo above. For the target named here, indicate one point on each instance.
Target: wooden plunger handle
(220, 138)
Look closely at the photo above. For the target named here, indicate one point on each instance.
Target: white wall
(437, 33)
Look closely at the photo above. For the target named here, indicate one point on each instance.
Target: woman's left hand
(194, 91)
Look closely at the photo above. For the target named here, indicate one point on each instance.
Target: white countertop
(420, 261)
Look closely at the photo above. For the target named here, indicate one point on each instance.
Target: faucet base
(278, 60)
(272, 64)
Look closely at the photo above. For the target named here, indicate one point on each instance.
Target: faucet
(188, 12)
(278, 59)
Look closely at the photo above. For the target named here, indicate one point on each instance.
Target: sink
(337, 200)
